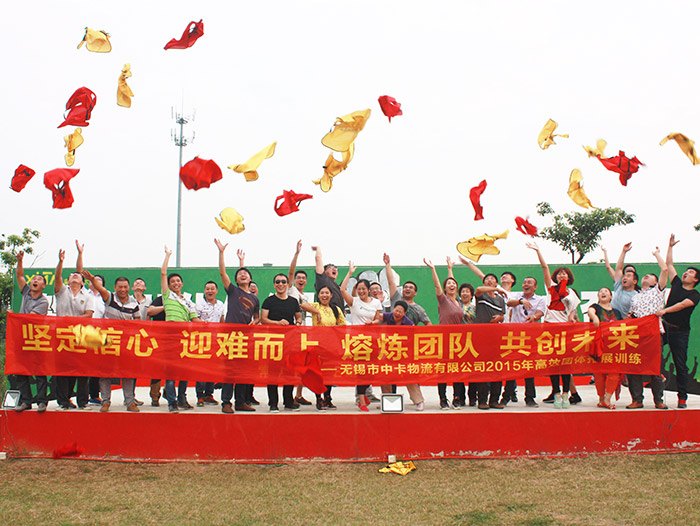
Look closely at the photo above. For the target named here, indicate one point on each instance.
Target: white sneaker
(420, 406)
(558, 399)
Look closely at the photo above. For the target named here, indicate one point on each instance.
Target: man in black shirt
(676, 316)
(325, 277)
(281, 309)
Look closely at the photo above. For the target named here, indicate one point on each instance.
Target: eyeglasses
(278, 281)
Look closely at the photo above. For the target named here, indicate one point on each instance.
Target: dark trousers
(458, 391)
(636, 387)
(249, 394)
(241, 393)
(488, 392)
(678, 342)
(511, 387)
(204, 389)
(94, 387)
(287, 395)
(25, 391)
(326, 395)
(64, 390)
(565, 382)
(170, 391)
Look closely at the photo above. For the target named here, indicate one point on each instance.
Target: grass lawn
(596, 490)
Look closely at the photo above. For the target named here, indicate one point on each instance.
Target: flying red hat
(475, 198)
(22, 176)
(390, 107)
(290, 202)
(189, 37)
(79, 106)
(199, 173)
(524, 226)
(622, 165)
(57, 181)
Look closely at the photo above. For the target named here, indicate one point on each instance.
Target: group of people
(364, 303)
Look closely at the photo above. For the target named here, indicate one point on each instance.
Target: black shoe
(292, 407)
(253, 401)
(514, 398)
(444, 404)
(575, 399)
(184, 405)
(550, 398)
(274, 409)
(472, 402)
(530, 402)
(328, 404)
(504, 401)
(320, 405)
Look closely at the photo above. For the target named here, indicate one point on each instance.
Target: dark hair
(235, 276)
(568, 273)
(444, 283)
(278, 275)
(365, 281)
(401, 303)
(121, 278)
(144, 281)
(102, 278)
(300, 272)
(636, 276)
(174, 275)
(531, 277)
(325, 267)
(466, 286)
(606, 288)
(212, 283)
(412, 283)
(511, 275)
(375, 283)
(697, 274)
(42, 277)
(652, 274)
(624, 269)
(335, 308)
(489, 274)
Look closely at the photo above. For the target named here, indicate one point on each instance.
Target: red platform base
(348, 437)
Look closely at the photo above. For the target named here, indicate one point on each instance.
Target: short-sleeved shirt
(648, 302)
(362, 312)
(323, 280)
(328, 318)
(388, 319)
(570, 302)
(622, 299)
(449, 311)
(116, 310)
(177, 308)
(242, 305)
(68, 304)
(281, 309)
(606, 314)
(158, 302)
(519, 314)
(469, 311)
(488, 306)
(681, 318)
(31, 305)
(98, 303)
(301, 297)
(415, 312)
(210, 312)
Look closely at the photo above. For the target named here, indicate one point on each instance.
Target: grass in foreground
(610, 490)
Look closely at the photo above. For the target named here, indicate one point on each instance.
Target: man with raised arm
(325, 277)
(177, 308)
(33, 302)
(243, 308)
(119, 305)
(649, 300)
(676, 315)
(625, 278)
(409, 291)
(73, 300)
(297, 280)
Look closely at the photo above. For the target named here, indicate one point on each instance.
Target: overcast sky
(476, 80)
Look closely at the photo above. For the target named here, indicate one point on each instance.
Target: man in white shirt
(210, 310)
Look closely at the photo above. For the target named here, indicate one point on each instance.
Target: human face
(92, 288)
(324, 296)
(529, 285)
(37, 284)
(507, 281)
(332, 272)
(562, 276)
(175, 284)
(649, 281)
(242, 278)
(490, 281)
(376, 291)
(409, 292)
(604, 295)
(210, 291)
(466, 295)
(253, 288)
(398, 314)
(75, 281)
(362, 291)
(451, 287)
(280, 284)
(139, 286)
(300, 281)
(689, 277)
(628, 281)
(121, 288)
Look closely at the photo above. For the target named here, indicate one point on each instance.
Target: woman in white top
(364, 310)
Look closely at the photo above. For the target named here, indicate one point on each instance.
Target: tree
(579, 233)
(9, 246)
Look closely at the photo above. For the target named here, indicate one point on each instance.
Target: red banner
(350, 355)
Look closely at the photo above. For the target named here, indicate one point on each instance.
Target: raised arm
(608, 266)
(164, 270)
(58, 276)
(96, 283)
(663, 269)
(389, 276)
(79, 262)
(476, 270)
(621, 261)
(319, 259)
(436, 280)
(450, 264)
(19, 271)
(241, 258)
(225, 280)
(543, 263)
(344, 285)
(669, 258)
(293, 265)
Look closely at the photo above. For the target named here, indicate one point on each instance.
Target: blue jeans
(170, 391)
(678, 342)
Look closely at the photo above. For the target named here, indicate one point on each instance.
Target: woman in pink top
(449, 313)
